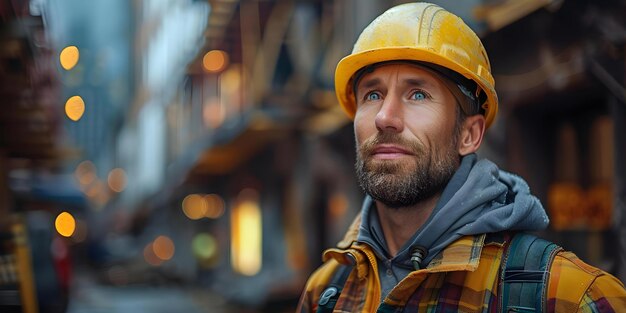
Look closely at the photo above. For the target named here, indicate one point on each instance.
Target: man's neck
(400, 224)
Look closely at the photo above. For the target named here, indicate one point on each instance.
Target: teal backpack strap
(525, 274)
(328, 298)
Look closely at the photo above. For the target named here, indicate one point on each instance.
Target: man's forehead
(409, 72)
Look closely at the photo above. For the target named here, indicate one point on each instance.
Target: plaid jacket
(463, 278)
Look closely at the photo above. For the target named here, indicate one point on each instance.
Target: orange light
(215, 206)
(338, 205)
(65, 224)
(230, 80)
(163, 248)
(95, 189)
(215, 61)
(69, 57)
(213, 113)
(117, 180)
(75, 108)
(85, 173)
(194, 206)
(150, 257)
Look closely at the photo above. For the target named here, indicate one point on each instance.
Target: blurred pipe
(554, 71)
(5, 201)
(250, 43)
(269, 49)
(618, 111)
(608, 81)
(507, 12)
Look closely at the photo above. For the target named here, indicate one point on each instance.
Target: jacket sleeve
(606, 294)
(315, 285)
(576, 286)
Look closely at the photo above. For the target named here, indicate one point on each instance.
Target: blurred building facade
(206, 146)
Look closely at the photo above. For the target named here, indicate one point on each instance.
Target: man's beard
(398, 184)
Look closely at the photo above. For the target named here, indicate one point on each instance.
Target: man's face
(405, 134)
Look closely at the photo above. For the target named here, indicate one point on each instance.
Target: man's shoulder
(316, 284)
(574, 283)
(569, 262)
(322, 275)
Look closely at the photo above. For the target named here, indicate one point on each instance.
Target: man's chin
(394, 166)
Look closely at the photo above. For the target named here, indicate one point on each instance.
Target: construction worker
(439, 230)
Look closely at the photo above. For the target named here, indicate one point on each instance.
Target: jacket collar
(462, 254)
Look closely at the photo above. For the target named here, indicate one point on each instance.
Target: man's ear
(472, 132)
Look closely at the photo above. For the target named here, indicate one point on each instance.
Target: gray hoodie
(479, 199)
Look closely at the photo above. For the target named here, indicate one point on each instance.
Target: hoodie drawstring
(417, 255)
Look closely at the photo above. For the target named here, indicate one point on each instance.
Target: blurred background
(190, 155)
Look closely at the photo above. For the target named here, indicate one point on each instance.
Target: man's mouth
(389, 152)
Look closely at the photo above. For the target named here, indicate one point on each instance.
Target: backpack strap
(525, 273)
(328, 298)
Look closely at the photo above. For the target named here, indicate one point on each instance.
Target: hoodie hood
(480, 198)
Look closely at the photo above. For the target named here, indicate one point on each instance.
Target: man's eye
(419, 95)
(372, 96)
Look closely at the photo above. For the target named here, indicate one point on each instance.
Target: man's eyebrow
(418, 82)
(368, 83)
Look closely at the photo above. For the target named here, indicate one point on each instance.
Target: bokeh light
(117, 180)
(95, 189)
(194, 206)
(204, 246)
(150, 257)
(69, 57)
(246, 234)
(74, 108)
(215, 206)
(338, 205)
(213, 113)
(163, 248)
(230, 81)
(85, 173)
(65, 224)
(215, 61)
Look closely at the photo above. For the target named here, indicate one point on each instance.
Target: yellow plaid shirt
(463, 278)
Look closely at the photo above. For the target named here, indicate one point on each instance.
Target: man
(437, 224)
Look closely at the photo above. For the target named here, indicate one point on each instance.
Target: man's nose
(389, 116)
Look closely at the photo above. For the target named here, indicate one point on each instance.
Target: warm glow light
(150, 257)
(95, 189)
(194, 206)
(246, 238)
(337, 205)
(163, 248)
(213, 113)
(65, 224)
(74, 108)
(85, 173)
(215, 61)
(69, 57)
(230, 90)
(230, 81)
(215, 206)
(117, 180)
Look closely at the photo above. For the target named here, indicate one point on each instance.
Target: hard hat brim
(349, 65)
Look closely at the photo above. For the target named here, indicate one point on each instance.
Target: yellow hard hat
(422, 32)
